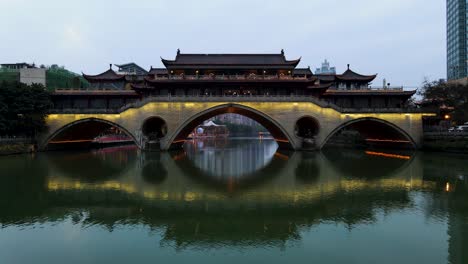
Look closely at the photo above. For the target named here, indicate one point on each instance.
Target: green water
(235, 201)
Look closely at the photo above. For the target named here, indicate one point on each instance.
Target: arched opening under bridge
(277, 132)
(370, 132)
(88, 133)
(307, 127)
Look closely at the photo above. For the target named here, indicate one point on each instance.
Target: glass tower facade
(457, 59)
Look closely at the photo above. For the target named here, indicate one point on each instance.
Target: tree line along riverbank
(446, 142)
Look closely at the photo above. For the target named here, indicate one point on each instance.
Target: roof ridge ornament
(110, 66)
(178, 51)
(348, 66)
(282, 51)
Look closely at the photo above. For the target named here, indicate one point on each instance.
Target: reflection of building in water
(230, 161)
(192, 214)
(449, 201)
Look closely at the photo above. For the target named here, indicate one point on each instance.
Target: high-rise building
(325, 69)
(457, 56)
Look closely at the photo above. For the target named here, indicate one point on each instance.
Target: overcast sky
(401, 40)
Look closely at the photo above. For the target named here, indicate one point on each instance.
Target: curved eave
(167, 62)
(350, 75)
(175, 64)
(361, 78)
(293, 62)
(103, 77)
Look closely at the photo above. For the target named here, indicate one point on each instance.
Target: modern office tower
(457, 59)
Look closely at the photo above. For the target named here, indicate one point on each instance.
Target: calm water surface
(237, 201)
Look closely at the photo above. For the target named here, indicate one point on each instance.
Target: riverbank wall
(16, 146)
(455, 142)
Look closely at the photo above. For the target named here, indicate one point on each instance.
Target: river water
(233, 201)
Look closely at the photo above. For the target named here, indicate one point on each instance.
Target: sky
(401, 40)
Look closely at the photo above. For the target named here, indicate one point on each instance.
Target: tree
(23, 108)
(442, 94)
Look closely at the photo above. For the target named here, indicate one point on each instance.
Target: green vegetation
(8, 75)
(23, 108)
(59, 77)
(56, 77)
(447, 94)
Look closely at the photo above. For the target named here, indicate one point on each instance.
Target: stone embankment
(446, 142)
(11, 146)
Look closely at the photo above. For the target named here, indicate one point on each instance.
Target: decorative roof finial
(282, 51)
(348, 66)
(110, 66)
(178, 51)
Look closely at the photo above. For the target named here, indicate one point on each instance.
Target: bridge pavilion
(228, 75)
(160, 107)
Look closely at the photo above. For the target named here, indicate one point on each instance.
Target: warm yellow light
(447, 117)
(388, 155)
(295, 104)
(447, 187)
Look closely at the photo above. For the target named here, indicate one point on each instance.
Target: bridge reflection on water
(200, 198)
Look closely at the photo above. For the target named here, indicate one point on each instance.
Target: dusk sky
(401, 40)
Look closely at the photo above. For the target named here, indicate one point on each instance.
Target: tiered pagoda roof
(347, 76)
(350, 75)
(107, 76)
(161, 78)
(230, 61)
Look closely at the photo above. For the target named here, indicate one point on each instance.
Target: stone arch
(307, 124)
(397, 132)
(278, 132)
(102, 123)
(154, 126)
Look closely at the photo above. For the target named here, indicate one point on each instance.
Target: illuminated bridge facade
(159, 108)
(294, 122)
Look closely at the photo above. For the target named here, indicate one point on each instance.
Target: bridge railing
(234, 99)
(230, 77)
